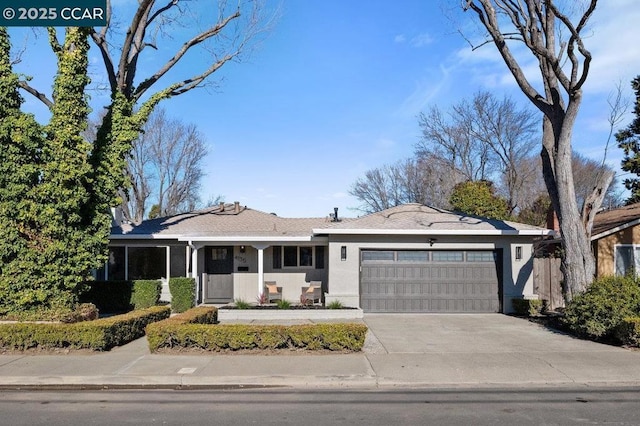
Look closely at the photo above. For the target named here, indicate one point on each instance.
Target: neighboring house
(410, 258)
(615, 238)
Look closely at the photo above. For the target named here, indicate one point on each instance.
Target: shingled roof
(225, 220)
(610, 221)
(421, 219)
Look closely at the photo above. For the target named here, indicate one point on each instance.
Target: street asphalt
(400, 350)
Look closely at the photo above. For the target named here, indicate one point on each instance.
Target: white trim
(616, 229)
(466, 232)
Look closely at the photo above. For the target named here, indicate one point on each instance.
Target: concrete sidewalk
(401, 350)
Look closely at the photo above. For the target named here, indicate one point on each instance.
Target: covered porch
(229, 269)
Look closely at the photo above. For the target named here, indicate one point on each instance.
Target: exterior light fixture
(343, 253)
(518, 252)
(242, 249)
(431, 241)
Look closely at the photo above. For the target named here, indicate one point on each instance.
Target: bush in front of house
(99, 335)
(598, 311)
(183, 293)
(527, 307)
(628, 331)
(109, 296)
(146, 293)
(231, 337)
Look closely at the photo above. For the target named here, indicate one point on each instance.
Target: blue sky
(336, 87)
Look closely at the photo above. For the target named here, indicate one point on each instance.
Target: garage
(438, 281)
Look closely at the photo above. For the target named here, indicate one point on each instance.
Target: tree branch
(39, 95)
(146, 84)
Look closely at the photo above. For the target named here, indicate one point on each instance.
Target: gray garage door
(429, 281)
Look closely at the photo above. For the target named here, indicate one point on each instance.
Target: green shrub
(527, 307)
(628, 331)
(99, 335)
(109, 296)
(335, 304)
(146, 293)
(334, 336)
(597, 312)
(242, 304)
(283, 304)
(183, 293)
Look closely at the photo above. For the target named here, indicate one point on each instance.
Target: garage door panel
(448, 286)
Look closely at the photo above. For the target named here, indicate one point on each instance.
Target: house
(410, 258)
(615, 239)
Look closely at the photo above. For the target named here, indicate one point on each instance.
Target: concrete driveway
(488, 348)
(470, 333)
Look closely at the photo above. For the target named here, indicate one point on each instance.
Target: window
(448, 256)
(627, 259)
(147, 263)
(178, 261)
(115, 266)
(290, 256)
(219, 253)
(306, 256)
(277, 257)
(413, 256)
(294, 256)
(319, 257)
(480, 256)
(377, 255)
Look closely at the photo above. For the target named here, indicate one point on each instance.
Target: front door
(218, 286)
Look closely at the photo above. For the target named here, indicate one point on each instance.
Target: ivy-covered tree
(57, 188)
(478, 198)
(629, 141)
(51, 245)
(21, 143)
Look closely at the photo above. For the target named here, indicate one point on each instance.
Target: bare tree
(564, 66)
(450, 138)
(485, 139)
(425, 180)
(165, 168)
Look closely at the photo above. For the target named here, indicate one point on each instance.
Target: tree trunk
(578, 262)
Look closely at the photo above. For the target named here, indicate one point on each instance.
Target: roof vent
(236, 206)
(221, 206)
(334, 215)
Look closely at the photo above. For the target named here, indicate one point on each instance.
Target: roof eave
(464, 232)
(616, 229)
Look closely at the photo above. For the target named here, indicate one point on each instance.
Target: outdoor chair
(272, 291)
(313, 292)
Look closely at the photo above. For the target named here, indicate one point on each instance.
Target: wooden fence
(547, 281)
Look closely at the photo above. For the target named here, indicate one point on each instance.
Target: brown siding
(605, 248)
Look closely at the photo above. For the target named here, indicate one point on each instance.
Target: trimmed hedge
(215, 338)
(183, 293)
(628, 331)
(122, 296)
(109, 296)
(146, 293)
(527, 307)
(99, 335)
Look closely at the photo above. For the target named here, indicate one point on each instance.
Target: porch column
(260, 248)
(194, 270)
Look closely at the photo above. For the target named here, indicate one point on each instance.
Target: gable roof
(418, 219)
(222, 223)
(612, 221)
